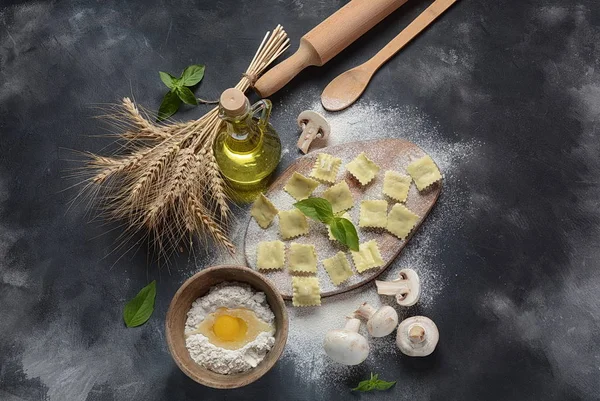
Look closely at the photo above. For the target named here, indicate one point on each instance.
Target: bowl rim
(251, 375)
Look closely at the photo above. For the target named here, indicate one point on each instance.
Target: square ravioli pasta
(401, 221)
(306, 291)
(270, 255)
(338, 268)
(302, 258)
(396, 185)
(339, 196)
(373, 213)
(424, 171)
(263, 211)
(367, 257)
(363, 169)
(326, 168)
(292, 223)
(300, 187)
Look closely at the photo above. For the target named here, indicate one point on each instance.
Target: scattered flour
(304, 349)
(217, 359)
(364, 121)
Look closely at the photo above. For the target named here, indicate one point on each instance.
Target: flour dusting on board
(308, 326)
(392, 155)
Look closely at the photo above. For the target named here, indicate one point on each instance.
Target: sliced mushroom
(417, 336)
(406, 288)
(381, 322)
(313, 126)
(345, 345)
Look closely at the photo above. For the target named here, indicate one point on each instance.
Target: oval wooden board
(388, 154)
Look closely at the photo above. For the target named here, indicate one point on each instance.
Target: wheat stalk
(165, 178)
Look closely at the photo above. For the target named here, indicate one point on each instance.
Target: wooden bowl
(199, 285)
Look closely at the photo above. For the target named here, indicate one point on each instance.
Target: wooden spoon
(348, 86)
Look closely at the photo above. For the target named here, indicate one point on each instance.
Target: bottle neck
(239, 125)
(239, 129)
(243, 134)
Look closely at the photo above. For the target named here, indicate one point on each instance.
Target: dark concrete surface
(520, 313)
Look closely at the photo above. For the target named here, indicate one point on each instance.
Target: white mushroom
(345, 345)
(406, 288)
(380, 322)
(313, 126)
(417, 336)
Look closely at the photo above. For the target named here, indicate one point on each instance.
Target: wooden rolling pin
(326, 40)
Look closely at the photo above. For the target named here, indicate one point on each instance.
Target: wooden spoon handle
(327, 39)
(410, 32)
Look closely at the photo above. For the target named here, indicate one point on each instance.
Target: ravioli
(373, 213)
(302, 258)
(263, 211)
(270, 255)
(368, 256)
(401, 221)
(396, 185)
(424, 172)
(292, 223)
(363, 169)
(338, 268)
(300, 187)
(339, 196)
(326, 168)
(306, 291)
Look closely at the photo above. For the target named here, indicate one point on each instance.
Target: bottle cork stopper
(233, 102)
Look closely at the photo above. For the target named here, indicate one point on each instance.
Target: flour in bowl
(231, 329)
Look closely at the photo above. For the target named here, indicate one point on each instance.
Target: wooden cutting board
(388, 154)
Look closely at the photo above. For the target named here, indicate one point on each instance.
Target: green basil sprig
(373, 384)
(179, 90)
(139, 309)
(320, 209)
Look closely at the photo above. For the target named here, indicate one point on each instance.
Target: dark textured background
(520, 314)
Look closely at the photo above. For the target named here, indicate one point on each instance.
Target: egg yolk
(232, 328)
(229, 328)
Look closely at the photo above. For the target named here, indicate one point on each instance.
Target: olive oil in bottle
(247, 149)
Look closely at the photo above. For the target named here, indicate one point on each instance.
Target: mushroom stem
(405, 288)
(365, 311)
(416, 334)
(391, 287)
(353, 325)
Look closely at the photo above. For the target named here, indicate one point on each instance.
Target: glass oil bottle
(247, 148)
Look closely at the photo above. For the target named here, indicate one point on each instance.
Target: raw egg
(232, 328)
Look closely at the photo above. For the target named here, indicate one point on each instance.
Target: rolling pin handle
(278, 76)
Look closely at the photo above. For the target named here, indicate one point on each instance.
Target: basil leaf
(139, 309)
(186, 95)
(364, 385)
(344, 231)
(338, 231)
(351, 238)
(383, 385)
(317, 209)
(192, 75)
(373, 384)
(169, 80)
(169, 105)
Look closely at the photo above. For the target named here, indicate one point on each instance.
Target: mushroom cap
(429, 341)
(383, 322)
(346, 347)
(314, 118)
(414, 288)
